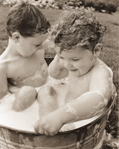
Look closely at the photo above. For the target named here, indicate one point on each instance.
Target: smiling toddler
(77, 38)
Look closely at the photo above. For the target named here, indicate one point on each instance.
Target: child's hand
(24, 98)
(48, 125)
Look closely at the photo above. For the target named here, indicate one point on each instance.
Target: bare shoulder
(3, 79)
(102, 80)
(101, 70)
(5, 64)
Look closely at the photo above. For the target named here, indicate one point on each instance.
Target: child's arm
(92, 102)
(86, 106)
(3, 81)
(57, 70)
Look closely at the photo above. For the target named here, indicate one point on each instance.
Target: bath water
(25, 120)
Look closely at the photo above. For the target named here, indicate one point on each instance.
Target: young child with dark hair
(77, 38)
(22, 63)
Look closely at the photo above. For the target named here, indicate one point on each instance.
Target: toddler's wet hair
(27, 19)
(77, 28)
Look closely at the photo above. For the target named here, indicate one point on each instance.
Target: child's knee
(47, 97)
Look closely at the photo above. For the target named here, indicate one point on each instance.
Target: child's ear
(16, 37)
(97, 50)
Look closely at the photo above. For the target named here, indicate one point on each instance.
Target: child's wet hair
(27, 19)
(77, 28)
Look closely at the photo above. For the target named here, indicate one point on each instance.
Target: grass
(110, 21)
(110, 53)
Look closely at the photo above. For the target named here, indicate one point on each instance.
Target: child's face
(78, 61)
(28, 46)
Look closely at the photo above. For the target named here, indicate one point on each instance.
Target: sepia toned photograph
(59, 74)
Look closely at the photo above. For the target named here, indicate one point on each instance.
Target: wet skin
(21, 59)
